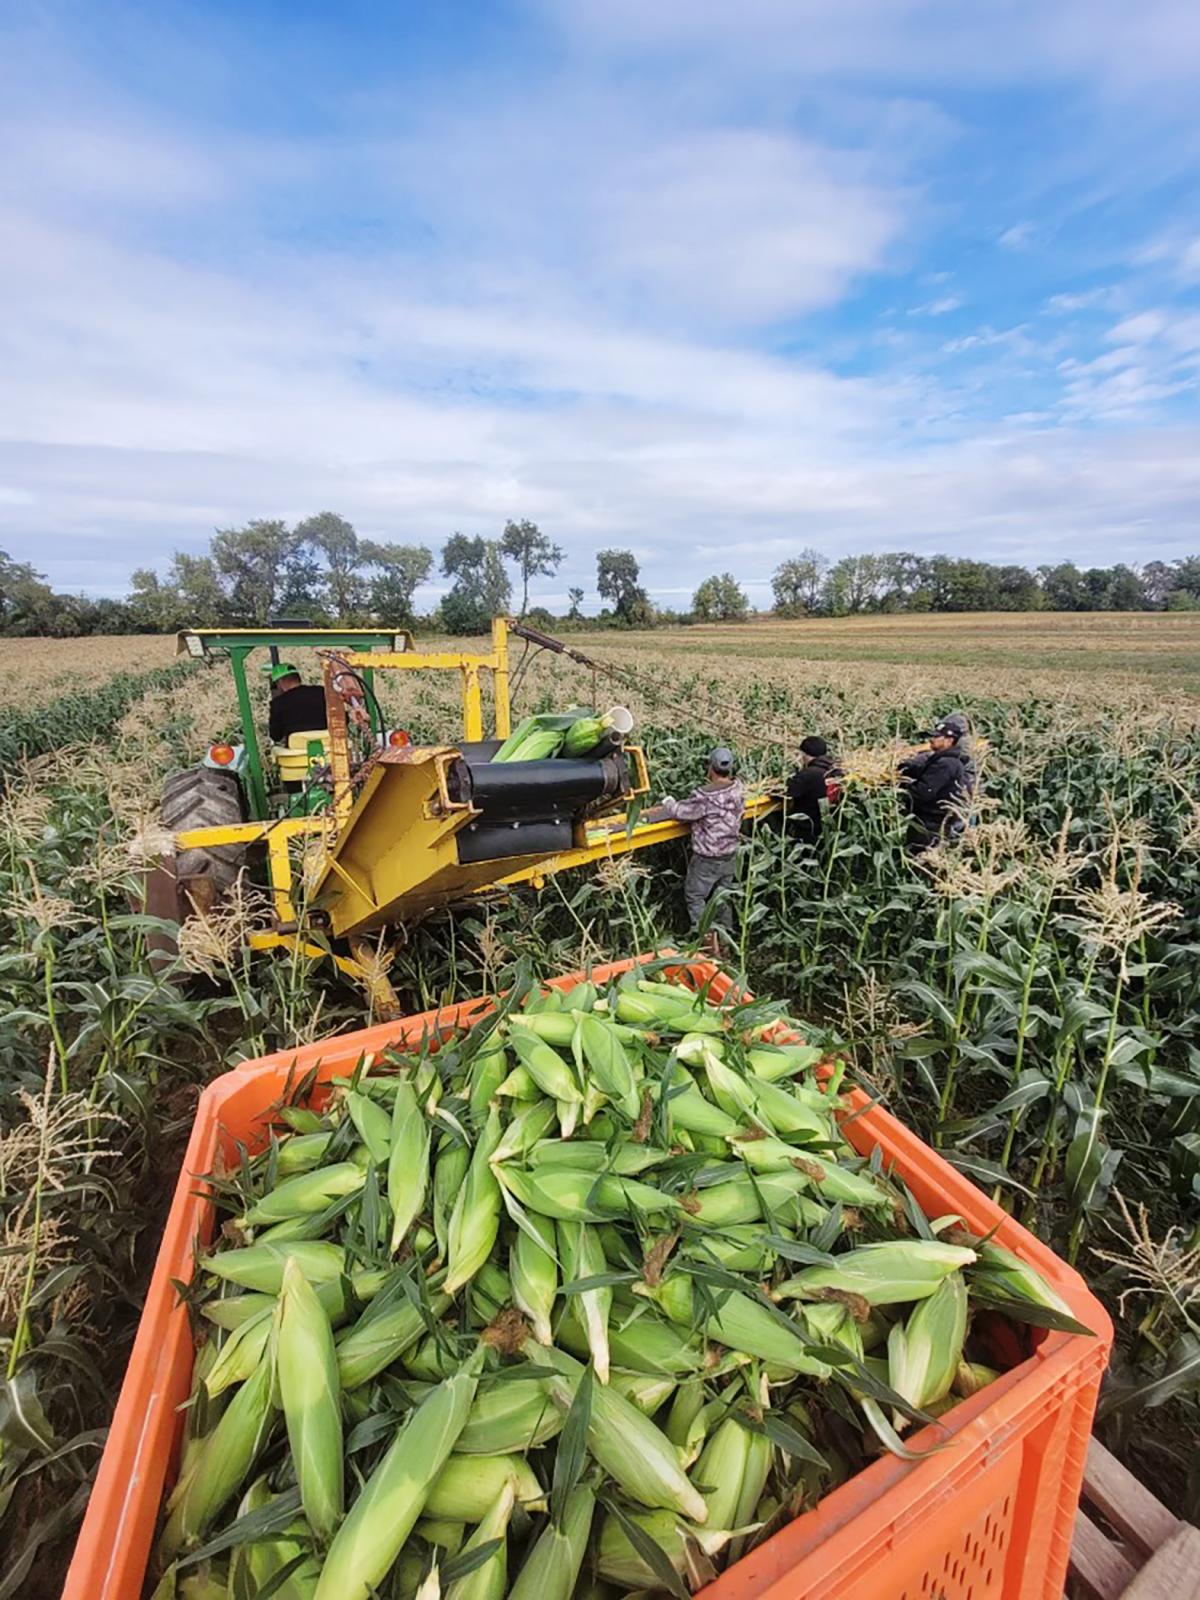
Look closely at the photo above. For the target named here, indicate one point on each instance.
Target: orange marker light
(399, 738)
(221, 754)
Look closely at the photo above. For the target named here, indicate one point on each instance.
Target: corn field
(1028, 1000)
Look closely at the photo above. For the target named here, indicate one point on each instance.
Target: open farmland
(1030, 1000)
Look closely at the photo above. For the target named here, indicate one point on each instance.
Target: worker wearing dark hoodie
(936, 782)
(715, 813)
(814, 780)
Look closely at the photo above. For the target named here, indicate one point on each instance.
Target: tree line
(322, 571)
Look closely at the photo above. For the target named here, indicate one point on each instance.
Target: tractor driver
(296, 706)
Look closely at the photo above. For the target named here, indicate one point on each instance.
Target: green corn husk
(1011, 1278)
(381, 1519)
(739, 1248)
(241, 1352)
(570, 1196)
(449, 1536)
(665, 1016)
(610, 1067)
(300, 1119)
(374, 1342)
(431, 1359)
(307, 1192)
(686, 1548)
(528, 1127)
(649, 1345)
(449, 1175)
(682, 1420)
(691, 1112)
(742, 1200)
(488, 1072)
(223, 1462)
(490, 1580)
(260, 1266)
(310, 1396)
(755, 1472)
(372, 1123)
(469, 1485)
(787, 1113)
(301, 1153)
(408, 1162)
(255, 1565)
(519, 1085)
(545, 1066)
(892, 1273)
(235, 1309)
(475, 1220)
(728, 1088)
(971, 1377)
(552, 1567)
(625, 1443)
(582, 997)
(742, 1324)
(777, 1061)
(533, 1273)
(593, 1155)
(832, 1324)
(488, 1294)
(924, 1353)
(722, 1465)
(582, 1256)
(536, 738)
(509, 1418)
(648, 1392)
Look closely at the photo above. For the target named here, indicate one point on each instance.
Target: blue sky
(712, 281)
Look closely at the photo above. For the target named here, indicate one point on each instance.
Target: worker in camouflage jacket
(715, 813)
(936, 782)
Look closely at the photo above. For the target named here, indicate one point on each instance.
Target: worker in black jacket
(814, 780)
(937, 780)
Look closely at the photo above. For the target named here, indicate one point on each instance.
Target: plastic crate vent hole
(974, 1568)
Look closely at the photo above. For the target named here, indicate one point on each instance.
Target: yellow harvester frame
(418, 812)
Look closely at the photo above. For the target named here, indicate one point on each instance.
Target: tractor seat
(297, 757)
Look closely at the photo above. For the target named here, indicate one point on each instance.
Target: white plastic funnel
(619, 720)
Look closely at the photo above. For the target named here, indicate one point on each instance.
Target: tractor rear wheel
(202, 797)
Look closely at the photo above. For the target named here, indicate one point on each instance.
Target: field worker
(937, 780)
(296, 706)
(715, 813)
(814, 780)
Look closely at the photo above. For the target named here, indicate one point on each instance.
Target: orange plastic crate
(989, 1517)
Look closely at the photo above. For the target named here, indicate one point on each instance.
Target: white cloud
(1139, 329)
(1019, 237)
(937, 308)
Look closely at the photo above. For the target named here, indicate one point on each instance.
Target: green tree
(155, 606)
(253, 563)
(337, 542)
(854, 584)
(1187, 576)
(575, 597)
(197, 585)
(1125, 591)
(1016, 589)
(719, 599)
(28, 605)
(1063, 588)
(481, 588)
(1159, 579)
(797, 583)
(617, 574)
(535, 555)
(399, 570)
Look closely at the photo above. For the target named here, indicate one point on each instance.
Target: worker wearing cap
(296, 706)
(814, 780)
(937, 780)
(715, 813)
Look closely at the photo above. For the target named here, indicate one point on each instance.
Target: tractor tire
(202, 797)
